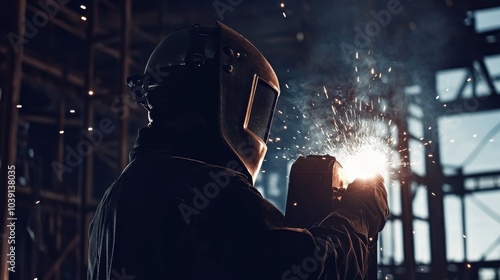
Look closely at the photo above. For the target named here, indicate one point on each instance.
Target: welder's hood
(239, 88)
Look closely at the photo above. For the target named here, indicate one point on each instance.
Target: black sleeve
(331, 250)
(265, 249)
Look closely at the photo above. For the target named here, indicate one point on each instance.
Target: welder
(185, 207)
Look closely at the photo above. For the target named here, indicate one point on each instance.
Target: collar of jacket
(197, 146)
(175, 142)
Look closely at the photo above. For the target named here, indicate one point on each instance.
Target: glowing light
(19, 106)
(83, 7)
(91, 92)
(61, 131)
(366, 163)
(284, 15)
(90, 129)
(282, 5)
(300, 36)
(84, 18)
(72, 111)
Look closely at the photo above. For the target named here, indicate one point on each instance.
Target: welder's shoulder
(215, 183)
(158, 167)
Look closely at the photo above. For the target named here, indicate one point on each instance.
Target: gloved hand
(364, 204)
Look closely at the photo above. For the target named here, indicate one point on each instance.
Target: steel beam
(122, 88)
(434, 180)
(56, 266)
(87, 176)
(405, 179)
(9, 99)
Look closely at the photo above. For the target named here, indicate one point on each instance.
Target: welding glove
(364, 204)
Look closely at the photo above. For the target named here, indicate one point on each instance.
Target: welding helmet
(215, 71)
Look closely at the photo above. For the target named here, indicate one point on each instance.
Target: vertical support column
(434, 178)
(88, 119)
(9, 98)
(466, 275)
(463, 210)
(60, 139)
(59, 236)
(122, 89)
(405, 179)
(61, 120)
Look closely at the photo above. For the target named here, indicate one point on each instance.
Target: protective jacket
(171, 216)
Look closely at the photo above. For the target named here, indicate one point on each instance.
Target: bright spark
(364, 162)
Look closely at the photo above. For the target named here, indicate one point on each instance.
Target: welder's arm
(336, 248)
(360, 215)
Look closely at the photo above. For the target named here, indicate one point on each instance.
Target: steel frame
(79, 207)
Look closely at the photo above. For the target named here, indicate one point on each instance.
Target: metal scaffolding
(59, 112)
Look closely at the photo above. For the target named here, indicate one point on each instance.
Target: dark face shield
(218, 72)
(261, 110)
(248, 93)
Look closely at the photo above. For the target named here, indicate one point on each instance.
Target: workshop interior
(407, 89)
